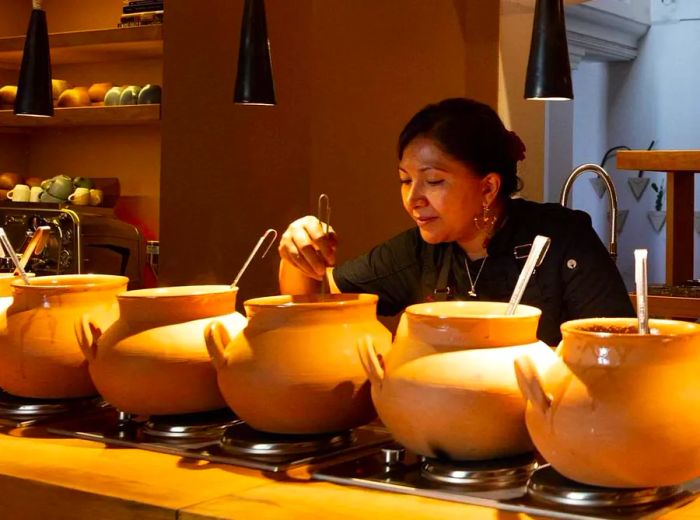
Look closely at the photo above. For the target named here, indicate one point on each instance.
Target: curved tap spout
(600, 172)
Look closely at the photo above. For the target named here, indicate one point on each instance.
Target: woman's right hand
(306, 245)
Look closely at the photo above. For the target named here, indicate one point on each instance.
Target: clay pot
(6, 280)
(294, 368)
(447, 389)
(153, 359)
(616, 408)
(39, 355)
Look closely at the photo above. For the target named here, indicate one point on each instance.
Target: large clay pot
(39, 355)
(6, 280)
(616, 408)
(294, 368)
(447, 389)
(153, 359)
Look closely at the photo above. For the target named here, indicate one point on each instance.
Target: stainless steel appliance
(83, 239)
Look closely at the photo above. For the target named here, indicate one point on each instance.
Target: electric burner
(18, 411)
(205, 426)
(241, 439)
(486, 474)
(548, 485)
(396, 470)
(219, 437)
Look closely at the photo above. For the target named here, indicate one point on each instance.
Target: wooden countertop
(46, 477)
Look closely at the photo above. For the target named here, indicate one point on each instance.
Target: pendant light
(254, 84)
(548, 69)
(34, 95)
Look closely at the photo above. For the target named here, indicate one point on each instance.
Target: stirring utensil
(640, 280)
(538, 250)
(10, 251)
(261, 241)
(324, 214)
(36, 245)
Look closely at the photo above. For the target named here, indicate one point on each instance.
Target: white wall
(590, 139)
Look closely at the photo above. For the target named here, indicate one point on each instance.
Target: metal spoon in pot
(10, 251)
(269, 232)
(36, 245)
(640, 280)
(324, 214)
(538, 250)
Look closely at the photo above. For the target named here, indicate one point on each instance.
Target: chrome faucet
(600, 172)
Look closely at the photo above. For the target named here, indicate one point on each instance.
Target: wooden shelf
(85, 116)
(125, 43)
(659, 160)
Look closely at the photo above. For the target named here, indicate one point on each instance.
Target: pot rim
(287, 301)
(63, 282)
(176, 292)
(424, 310)
(684, 328)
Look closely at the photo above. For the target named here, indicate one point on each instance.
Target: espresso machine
(82, 239)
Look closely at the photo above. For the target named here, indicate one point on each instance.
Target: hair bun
(516, 147)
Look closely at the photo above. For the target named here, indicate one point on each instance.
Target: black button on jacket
(577, 278)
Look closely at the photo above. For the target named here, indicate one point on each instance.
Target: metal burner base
(110, 428)
(487, 474)
(205, 426)
(16, 411)
(241, 439)
(548, 485)
(386, 471)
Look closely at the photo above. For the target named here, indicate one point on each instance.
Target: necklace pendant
(472, 294)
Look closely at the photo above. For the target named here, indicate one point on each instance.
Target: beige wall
(348, 76)
(526, 118)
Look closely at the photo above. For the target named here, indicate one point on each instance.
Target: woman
(457, 168)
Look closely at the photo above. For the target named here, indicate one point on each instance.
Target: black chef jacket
(577, 278)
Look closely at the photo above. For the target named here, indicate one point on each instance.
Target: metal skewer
(253, 253)
(640, 280)
(323, 198)
(10, 251)
(539, 249)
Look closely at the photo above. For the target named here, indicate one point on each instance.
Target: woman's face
(440, 193)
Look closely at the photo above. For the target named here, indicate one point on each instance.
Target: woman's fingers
(324, 242)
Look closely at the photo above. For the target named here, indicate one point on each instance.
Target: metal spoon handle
(254, 252)
(640, 280)
(10, 251)
(324, 215)
(539, 249)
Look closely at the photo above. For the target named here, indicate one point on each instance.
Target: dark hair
(472, 133)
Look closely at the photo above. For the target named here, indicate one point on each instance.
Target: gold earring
(486, 220)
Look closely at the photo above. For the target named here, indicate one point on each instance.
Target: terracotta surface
(6, 280)
(447, 389)
(294, 368)
(618, 409)
(39, 355)
(157, 346)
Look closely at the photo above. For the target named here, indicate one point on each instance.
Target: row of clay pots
(451, 387)
(292, 369)
(610, 407)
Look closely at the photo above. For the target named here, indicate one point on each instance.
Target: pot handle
(370, 360)
(217, 337)
(87, 333)
(530, 384)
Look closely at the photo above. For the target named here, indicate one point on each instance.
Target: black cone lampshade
(34, 96)
(254, 84)
(548, 69)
